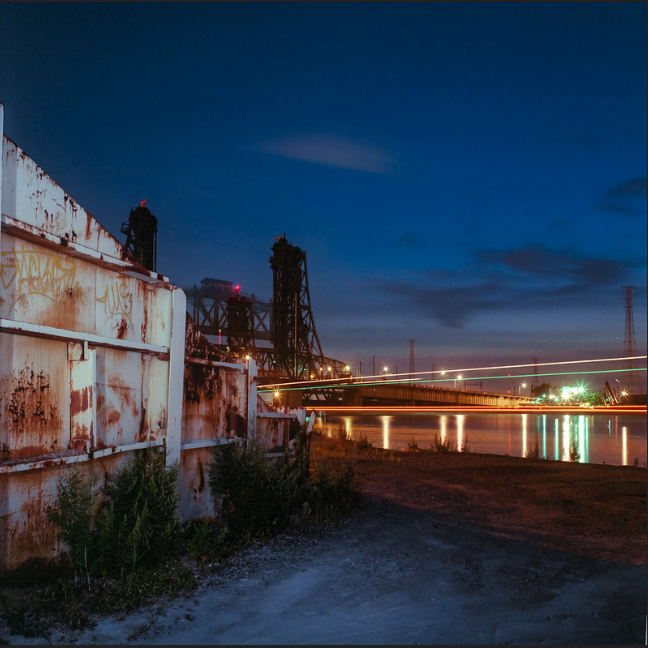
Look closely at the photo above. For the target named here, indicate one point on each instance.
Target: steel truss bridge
(279, 334)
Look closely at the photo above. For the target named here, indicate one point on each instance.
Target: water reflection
(524, 435)
(444, 428)
(544, 436)
(385, 428)
(584, 438)
(347, 426)
(565, 438)
(460, 431)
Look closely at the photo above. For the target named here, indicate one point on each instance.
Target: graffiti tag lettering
(117, 301)
(38, 273)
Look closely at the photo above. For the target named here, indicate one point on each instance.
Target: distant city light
(276, 393)
(385, 368)
(523, 384)
(347, 368)
(624, 393)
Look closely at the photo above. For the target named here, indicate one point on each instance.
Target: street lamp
(520, 387)
(459, 377)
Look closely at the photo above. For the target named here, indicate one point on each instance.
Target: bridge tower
(630, 343)
(297, 349)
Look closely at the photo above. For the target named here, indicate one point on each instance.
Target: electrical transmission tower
(411, 368)
(297, 348)
(630, 343)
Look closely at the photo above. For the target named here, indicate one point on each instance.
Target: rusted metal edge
(48, 462)
(72, 248)
(105, 452)
(276, 415)
(40, 330)
(208, 443)
(214, 363)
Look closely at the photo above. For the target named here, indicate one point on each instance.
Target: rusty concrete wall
(96, 363)
(84, 352)
(215, 406)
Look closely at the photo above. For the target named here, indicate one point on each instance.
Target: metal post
(176, 376)
(251, 400)
(1, 159)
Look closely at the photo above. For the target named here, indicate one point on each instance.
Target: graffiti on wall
(117, 301)
(41, 273)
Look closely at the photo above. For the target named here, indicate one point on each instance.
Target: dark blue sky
(470, 175)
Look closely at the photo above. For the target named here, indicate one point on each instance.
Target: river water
(587, 438)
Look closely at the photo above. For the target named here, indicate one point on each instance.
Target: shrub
(412, 445)
(254, 490)
(130, 523)
(260, 496)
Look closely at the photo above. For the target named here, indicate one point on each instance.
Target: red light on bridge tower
(237, 289)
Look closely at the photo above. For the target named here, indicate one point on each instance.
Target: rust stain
(80, 400)
(143, 429)
(31, 412)
(122, 329)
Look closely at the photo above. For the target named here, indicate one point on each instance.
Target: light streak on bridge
(310, 386)
(443, 372)
(437, 409)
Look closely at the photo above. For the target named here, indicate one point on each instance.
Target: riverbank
(444, 548)
(593, 510)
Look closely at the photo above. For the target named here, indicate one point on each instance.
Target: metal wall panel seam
(40, 330)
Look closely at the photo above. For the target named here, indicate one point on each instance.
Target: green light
(440, 380)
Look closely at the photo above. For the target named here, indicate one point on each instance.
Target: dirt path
(441, 553)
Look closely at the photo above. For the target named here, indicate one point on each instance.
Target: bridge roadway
(390, 394)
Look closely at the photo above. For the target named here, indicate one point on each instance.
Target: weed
(130, 523)
(412, 445)
(573, 451)
(533, 454)
(363, 444)
(443, 445)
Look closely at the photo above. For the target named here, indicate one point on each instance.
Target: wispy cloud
(330, 151)
(529, 278)
(627, 198)
(542, 262)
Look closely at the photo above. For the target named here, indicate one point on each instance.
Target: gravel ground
(395, 575)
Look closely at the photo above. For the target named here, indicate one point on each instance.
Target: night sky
(469, 175)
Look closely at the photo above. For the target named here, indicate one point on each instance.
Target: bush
(412, 445)
(130, 523)
(260, 496)
(254, 489)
